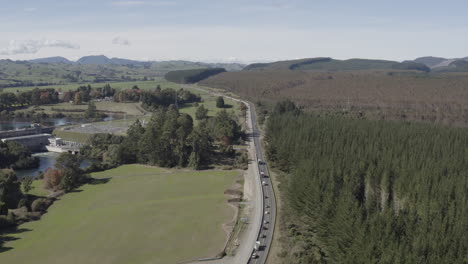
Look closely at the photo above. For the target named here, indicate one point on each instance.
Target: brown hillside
(441, 98)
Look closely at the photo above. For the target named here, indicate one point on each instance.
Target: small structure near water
(59, 145)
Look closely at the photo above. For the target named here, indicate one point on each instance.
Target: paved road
(264, 214)
(265, 235)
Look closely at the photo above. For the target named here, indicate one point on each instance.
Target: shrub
(39, 205)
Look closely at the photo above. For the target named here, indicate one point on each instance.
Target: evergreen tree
(371, 191)
(91, 112)
(220, 102)
(201, 113)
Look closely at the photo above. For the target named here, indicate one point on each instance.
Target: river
(19, 123)
(47, 160)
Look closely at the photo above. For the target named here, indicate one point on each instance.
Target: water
(47, 160)
(19, 123)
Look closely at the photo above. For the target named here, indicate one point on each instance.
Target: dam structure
(39, 139)
(35, 129)
(36, 143)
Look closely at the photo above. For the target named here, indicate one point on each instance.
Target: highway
(263, 217)
(267, 226)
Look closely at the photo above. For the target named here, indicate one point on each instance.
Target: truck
(254, 255)
(257, 245)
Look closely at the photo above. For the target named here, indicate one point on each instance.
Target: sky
(233, 30)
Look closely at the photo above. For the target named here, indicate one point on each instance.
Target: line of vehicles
(263, 233)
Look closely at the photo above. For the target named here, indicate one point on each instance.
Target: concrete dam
(35, 143)
(40, 139)
(34, 130)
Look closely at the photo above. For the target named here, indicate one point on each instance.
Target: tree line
(360, 191)
(169, 139)
(18, 206)
(13, 155)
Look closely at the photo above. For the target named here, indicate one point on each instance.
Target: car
(254, 255)
(267, 212)
(260, 161)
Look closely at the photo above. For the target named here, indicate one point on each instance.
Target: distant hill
(192, 76)
(439, 64)
(329, 64)
(164, 66)
(92, 69)
(99, 59)
(430, 61)
(52, 60)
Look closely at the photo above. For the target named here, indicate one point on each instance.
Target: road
(263, 217)
(265, 234)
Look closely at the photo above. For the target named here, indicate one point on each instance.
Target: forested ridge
(360, 191)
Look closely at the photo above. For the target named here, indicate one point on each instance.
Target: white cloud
(121, 41)
(33, 46)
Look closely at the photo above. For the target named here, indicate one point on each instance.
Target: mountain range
(103, 60)
(435, 64)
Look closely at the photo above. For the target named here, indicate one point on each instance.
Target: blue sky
(233, 30)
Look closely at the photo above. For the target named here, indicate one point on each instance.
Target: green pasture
(132, 214)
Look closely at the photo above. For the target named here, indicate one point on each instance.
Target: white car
(254, 255)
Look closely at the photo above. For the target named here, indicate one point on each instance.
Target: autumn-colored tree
(77, 100)
(44, 98)
(67, 96)
(52, 179)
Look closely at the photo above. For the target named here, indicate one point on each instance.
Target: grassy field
(38, 188)
(141, 215)
(133, 109)
(72, 136)
(146, 85)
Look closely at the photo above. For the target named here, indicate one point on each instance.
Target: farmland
(133, 214)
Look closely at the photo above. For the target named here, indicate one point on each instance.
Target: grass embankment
(141, 215)
(72, 136)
